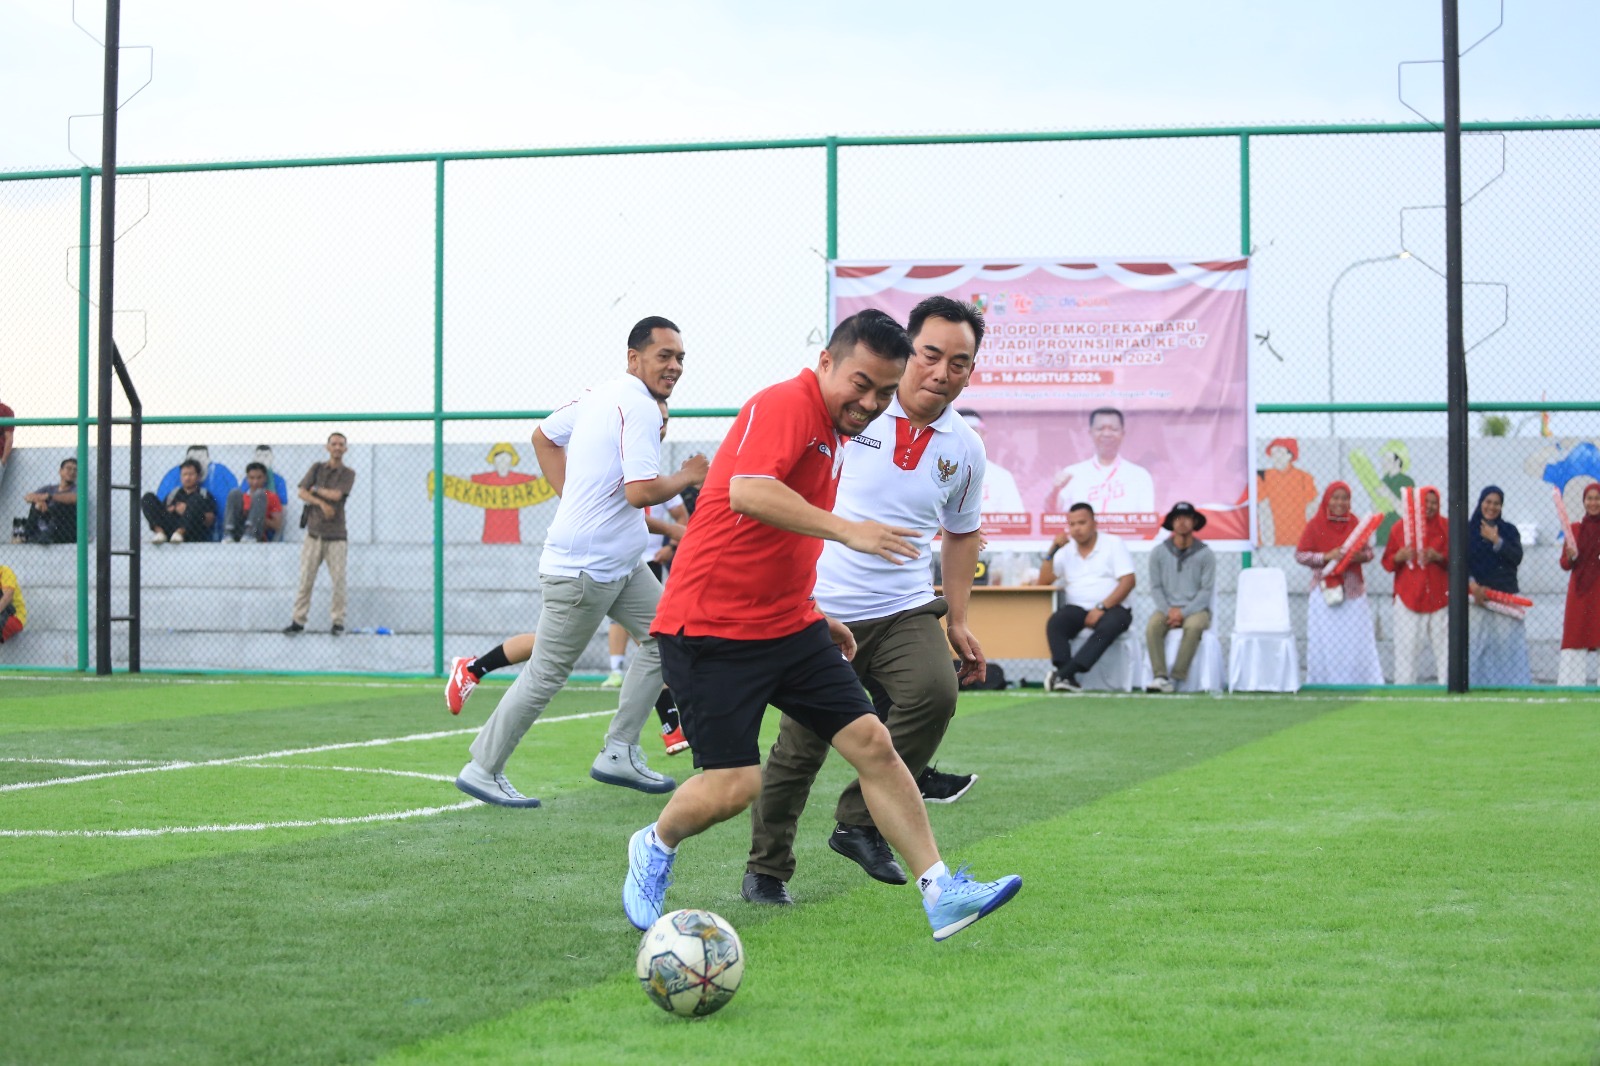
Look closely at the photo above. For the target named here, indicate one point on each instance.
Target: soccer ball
(690, 962)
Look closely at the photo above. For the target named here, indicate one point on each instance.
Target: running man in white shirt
(1097, 573)
(603, 450)
(1105, 481)
(919, 467)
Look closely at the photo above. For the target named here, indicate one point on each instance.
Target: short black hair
(639, 335)
(341, 436)
(949, 310)
(1098, 411)
(1081, 506)
(874, 330)
(69, 459)
(256, 466)
(188, 463)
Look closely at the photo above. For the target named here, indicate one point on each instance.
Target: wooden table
(1008, 620)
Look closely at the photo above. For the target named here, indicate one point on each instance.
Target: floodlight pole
(1456, 354)
(108, 232)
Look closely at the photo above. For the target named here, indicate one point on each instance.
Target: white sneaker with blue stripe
(649, 874)
(962, 901)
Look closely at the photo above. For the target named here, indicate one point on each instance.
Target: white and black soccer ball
(690, 963)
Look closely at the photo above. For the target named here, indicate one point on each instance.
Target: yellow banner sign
(494, 497)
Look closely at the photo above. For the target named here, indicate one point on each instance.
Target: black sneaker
(292, 628)
(940, 787)
(764, 888)
(865, 846)
(338, 630)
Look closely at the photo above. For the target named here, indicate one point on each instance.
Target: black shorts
(723, 688)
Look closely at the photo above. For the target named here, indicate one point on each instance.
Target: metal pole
(1457, 353)
(438, 419)
(85, 200)
(1245, 560)
(108, 233)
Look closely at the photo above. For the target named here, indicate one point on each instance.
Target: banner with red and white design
(1121, 384)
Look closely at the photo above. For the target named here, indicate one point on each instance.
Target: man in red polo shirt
(738, 630)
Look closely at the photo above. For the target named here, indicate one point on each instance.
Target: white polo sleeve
(963, 508)
(639, 431)
(1121, 560)
(558, 427)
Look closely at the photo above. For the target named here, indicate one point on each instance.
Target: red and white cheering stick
(1414, 530)
(1333, 576)
(1567, 528)
(1507, 603)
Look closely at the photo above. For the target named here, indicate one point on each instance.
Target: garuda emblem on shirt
(947, 469)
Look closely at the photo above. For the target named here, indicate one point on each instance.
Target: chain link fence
(431, 308)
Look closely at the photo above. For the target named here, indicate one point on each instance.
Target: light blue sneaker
(963, 901)
(649, 874)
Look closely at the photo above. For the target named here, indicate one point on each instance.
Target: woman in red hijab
(1420, 592)
(1581, 633)
(1341, 647)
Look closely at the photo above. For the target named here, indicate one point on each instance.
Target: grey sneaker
(1163, 684)
(480, 784)
(625, 765)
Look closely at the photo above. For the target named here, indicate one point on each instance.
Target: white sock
(929, 882)
(616, 663)
(655, 841)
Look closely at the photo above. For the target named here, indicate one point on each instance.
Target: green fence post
(832, 147)
(1244, 247)
(85, 198)
(438, 416)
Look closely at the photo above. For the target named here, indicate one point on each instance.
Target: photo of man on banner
(1121, 384)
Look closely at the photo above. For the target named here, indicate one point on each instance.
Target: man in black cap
(1183, 577)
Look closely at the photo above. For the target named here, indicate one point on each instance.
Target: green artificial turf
(1300, 879)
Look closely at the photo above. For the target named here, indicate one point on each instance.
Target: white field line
(348, 770)
(19, 786)
(294, 682)
(252, 827)
(1298, 697)
(87, 762)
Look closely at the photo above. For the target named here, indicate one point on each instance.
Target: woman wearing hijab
(1341, 648)
(1421, 592)
(1581, 633)
(1497, 645)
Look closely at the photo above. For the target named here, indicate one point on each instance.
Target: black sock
(667, 708)
(488, 662)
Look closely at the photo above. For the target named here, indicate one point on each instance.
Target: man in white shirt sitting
(1105, 481)
(1097, 573)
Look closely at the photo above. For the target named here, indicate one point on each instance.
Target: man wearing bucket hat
(1183, 576)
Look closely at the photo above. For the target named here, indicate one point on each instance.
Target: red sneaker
(672, 737)
(459, 687)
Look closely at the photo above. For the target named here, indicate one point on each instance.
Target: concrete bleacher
(223, 607)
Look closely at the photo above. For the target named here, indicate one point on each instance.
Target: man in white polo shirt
(1105, 481)
(1097, 573)
(602, 453)
(919, 467)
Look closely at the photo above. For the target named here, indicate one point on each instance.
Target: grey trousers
(237, 521)
(908, 654)
(574, 607)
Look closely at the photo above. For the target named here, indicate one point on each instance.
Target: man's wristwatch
(1101, 606)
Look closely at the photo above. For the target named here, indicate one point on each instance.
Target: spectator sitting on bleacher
(257, 514)
(188, 513)
(13, 612)
(53, 516)
(275, 480)
(217, 479)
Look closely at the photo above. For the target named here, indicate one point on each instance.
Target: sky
(304, 77)
(263, 268)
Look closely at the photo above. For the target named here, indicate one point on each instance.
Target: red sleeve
(779, 428)
(1395, 544)
(274, 505)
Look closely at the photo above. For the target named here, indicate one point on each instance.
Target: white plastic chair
(1263, 656)
(1205, 672)
(1116, 670)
